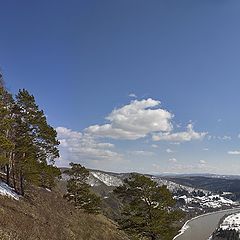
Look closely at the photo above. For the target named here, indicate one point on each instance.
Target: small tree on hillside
(147, 210)
(79, 192)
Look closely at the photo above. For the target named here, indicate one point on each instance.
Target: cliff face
(45, 215)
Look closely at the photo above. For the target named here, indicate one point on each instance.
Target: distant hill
(220, 183)
(193, 197)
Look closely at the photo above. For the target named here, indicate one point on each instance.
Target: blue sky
(179, 61)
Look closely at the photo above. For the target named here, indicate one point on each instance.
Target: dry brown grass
(44, 215)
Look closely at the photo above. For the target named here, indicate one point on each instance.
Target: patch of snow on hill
(5, 190)
(107, 179)
(172, 186)
(207, 201)
(231, 222)
(215, 201)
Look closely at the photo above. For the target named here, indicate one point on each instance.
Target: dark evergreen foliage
(147, 209)
(225, 235)
(79, 192)
(28, 144)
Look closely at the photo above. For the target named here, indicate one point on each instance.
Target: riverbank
(191, 227)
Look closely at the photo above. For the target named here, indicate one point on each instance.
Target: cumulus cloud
(234, 152)
(172, 160)
(188, 135)
(202, 162)
(76, 146)
(133, 95)
(135, 120)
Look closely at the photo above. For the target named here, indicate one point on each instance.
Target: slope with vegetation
(31, 207)
(39, 209)
(44, 215)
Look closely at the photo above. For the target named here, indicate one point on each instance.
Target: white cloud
(225, 138)
(234, 152)
(221, 138)
(202, 162)
(135, 120)
(188, 135)
(209, 137)
(133, 95)
(141, 153)
(205, 149)
(172, 160)
(76, 146)
(168, 150)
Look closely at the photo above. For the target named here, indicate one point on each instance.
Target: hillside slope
(45, 215)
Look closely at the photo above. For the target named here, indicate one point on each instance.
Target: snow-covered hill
(174, 187)
(107, 179)
(189, 199)
(231, 222)
(229, 228)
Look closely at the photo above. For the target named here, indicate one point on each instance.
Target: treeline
(28, 144)
(221, 234)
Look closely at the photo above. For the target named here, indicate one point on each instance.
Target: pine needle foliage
(28, 144)
(147, 209)
(79, 192)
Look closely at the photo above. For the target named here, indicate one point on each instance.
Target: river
(201, 227)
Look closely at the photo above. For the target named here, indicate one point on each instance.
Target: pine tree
(6, 130)
(36, 144)
(79, 192)
(148, 209)
(28, 144)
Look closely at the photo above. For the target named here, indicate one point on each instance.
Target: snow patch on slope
(172, 186)
(231, 222)
(107, 179)
(5, 190)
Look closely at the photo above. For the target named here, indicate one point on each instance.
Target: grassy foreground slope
(44, 215)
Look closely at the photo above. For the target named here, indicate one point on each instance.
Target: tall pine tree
(37, 144)
(6, 130)
(28, 144)
(147, 209)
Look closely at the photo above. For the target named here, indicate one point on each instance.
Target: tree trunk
(21, 184)
(8, 176)
(13, 171)
(22, 178)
